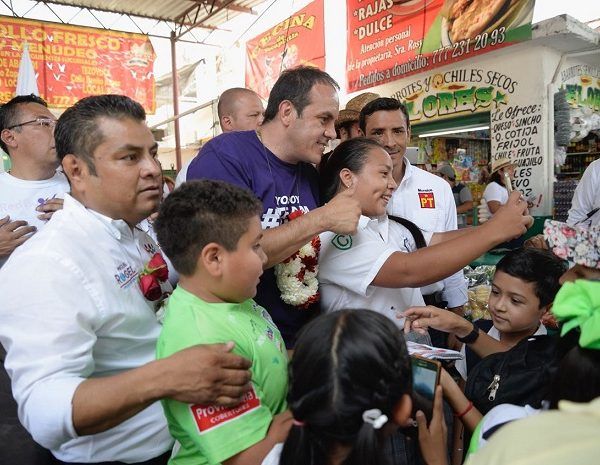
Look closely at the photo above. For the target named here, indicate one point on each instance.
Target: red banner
(73, 62)
(391, 39)
(299, 40)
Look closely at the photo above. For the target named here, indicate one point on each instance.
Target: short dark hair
(200, 212)
(351, 154)
(537, 266)
(495, 177)
(381, 104)
(295, 85)
(9, 112)
(77, 131)
(344, 363)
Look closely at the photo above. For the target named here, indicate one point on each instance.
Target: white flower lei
(297, 275)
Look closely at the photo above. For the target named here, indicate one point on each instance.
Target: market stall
(500, 105)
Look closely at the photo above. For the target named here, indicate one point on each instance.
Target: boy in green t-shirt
(211, 232)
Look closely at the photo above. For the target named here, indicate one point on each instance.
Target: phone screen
(426, 375)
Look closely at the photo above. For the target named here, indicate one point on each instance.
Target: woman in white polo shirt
(379, 267)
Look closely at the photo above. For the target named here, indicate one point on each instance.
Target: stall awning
(183, 15)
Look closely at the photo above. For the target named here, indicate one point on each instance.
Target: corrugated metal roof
(211, 14)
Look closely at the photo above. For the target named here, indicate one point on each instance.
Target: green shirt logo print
(342, 242)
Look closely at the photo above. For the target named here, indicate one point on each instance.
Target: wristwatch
(471, 337)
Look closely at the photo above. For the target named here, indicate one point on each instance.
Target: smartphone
(426, 376)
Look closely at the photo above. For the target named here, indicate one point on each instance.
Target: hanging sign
(391, 39)
(72, 62)
(298, 40)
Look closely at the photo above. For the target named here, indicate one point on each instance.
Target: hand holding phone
(426, 376)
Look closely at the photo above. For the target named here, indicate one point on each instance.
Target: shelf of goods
(576, 163)
(563, 194)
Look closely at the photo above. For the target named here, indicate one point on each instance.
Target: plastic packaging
(479, 287)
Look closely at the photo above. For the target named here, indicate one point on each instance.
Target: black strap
(417, 234)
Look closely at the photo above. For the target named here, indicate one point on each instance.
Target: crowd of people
(199, 336)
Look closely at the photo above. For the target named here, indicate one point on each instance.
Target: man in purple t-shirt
(276, 163)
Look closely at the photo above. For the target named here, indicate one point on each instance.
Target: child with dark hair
(568, 432)
(350, 389)
(211, 232)
(523, 288)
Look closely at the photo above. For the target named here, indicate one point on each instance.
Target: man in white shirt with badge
(33, 189)
(79, 332)
(29, 194)
(421, 197)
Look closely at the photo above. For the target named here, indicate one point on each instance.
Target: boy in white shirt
(523, 289)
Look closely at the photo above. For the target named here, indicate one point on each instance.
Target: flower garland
(297, 274)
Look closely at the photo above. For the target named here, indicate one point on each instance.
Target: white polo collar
(117, 228)
(378, 224)
(408, 169)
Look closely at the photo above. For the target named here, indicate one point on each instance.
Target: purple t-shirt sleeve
(214, 163)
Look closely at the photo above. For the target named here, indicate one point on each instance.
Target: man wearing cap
(346, 125)
(462, 194)
(421, 197)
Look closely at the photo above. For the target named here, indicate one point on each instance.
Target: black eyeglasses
(45, 122)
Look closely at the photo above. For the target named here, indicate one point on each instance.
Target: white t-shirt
(427, 200)
(348, 265)
(495, 192)
(19, 198)
(461, 365)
